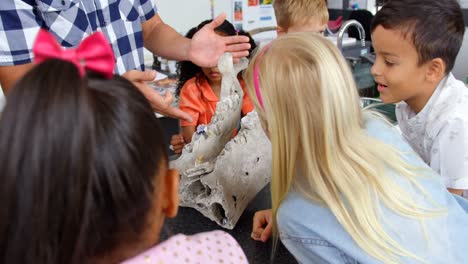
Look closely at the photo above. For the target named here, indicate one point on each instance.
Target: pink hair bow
(93, 54)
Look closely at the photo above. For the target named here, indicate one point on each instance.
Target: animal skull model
(220, 175)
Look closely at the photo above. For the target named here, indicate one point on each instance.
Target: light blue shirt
(313, 235)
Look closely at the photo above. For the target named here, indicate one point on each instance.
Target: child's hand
(177, 143)
(162, 105)
(262, 226)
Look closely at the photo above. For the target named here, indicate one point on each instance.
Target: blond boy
(301, 15)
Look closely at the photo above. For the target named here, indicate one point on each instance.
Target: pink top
(203, 248)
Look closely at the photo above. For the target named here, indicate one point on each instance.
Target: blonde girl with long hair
(345, 187)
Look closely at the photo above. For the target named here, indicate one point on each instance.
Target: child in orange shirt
(199, 90)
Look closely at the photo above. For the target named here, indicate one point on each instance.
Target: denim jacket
(313, 234)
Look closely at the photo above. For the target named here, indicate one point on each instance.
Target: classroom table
(189, 221)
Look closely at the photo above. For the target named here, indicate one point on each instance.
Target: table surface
(189, 221)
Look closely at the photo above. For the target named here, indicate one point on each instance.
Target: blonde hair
(320, 148)
(299, 12)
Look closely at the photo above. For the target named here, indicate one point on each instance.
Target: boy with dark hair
(417, 42)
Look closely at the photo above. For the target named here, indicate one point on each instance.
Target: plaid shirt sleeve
(147, 9)
(18, 29)
(71, 21)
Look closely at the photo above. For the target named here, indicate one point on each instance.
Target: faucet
(344, 28)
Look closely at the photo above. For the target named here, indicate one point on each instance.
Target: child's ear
(435, 70)
(171, 187)
(280, 31)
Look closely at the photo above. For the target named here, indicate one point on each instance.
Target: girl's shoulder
(192, 83)
(209, 247)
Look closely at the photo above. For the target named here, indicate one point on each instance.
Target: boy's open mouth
(381, 87)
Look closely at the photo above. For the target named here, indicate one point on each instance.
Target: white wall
(185, 14)
(460, 71)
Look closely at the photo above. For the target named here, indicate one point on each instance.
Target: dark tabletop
(189, 222)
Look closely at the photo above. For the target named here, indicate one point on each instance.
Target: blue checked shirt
(71, 21)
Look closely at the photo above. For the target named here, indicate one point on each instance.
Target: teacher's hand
(207, 46)
(162, 105)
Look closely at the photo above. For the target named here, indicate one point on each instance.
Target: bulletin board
(356, 4)
(347, 4)
(253, 14)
